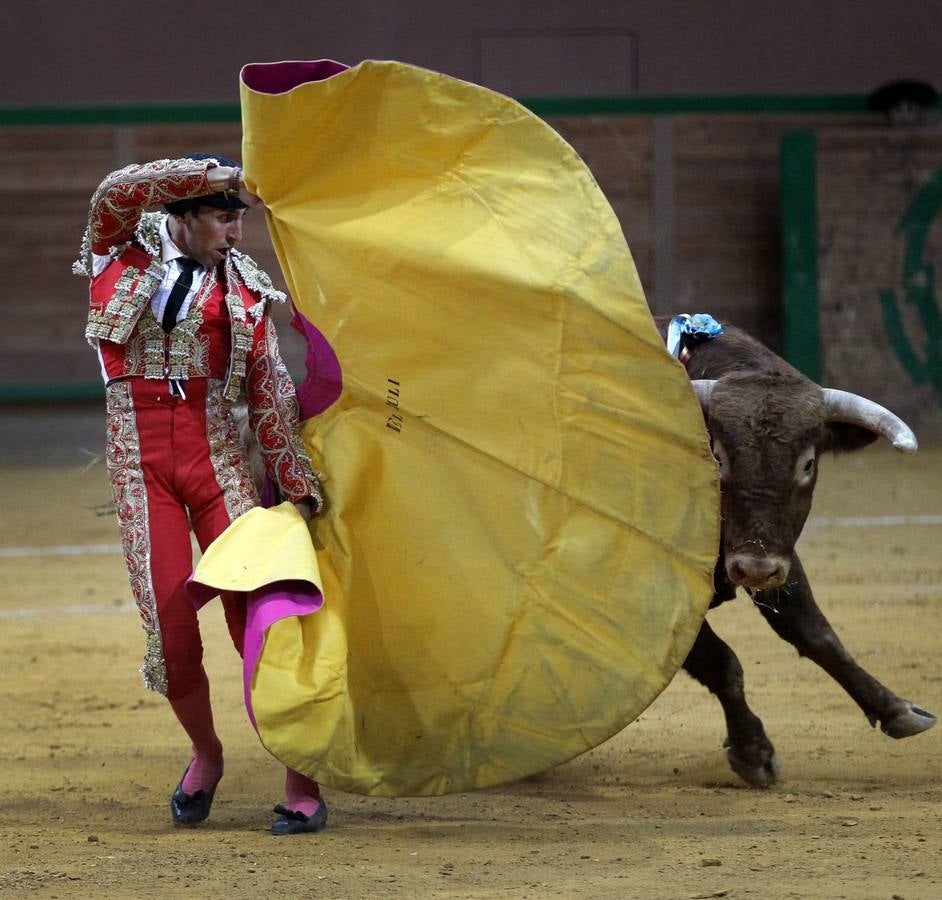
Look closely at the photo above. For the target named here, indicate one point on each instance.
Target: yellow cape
(524, 516)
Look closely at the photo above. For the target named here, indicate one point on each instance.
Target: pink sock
(204, 771)
(301, 793)
(195, 714)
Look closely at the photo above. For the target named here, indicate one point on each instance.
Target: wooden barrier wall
(879, 252)
(697, 196)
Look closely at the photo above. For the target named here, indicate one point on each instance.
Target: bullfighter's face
(207, 234)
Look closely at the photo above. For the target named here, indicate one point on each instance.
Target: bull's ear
(842, 437)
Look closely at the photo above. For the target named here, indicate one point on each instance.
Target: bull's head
(768, 432)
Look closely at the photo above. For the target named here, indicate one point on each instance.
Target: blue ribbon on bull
(686, 330)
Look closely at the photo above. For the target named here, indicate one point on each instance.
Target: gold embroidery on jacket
(227, 454)
(189, 350)
(132, 292)
(255, 278)
(148, 233)
(273, 412)
(242, 333)
(83, 265)
(188, 356)
(147, 349)
(182, 354)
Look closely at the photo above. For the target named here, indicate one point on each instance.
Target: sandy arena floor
(90, 758)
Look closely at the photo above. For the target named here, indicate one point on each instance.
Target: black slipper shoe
(291, 822)
(191, 809)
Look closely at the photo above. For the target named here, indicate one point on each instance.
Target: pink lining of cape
(281, 77)
(264, 607)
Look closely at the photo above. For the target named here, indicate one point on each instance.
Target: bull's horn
(841, 406)
(703, 388)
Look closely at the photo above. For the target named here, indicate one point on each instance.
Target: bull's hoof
(909, 720)
(757, 766)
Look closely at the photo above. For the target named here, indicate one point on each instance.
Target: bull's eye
(805, 467)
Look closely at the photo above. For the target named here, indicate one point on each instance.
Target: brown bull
(769, 425)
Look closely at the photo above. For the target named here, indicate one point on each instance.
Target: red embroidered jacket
(227, 332)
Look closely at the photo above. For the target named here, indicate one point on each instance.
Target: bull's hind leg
(750, 753)
(793, 614)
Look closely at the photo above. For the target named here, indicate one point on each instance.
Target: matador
(180, 321)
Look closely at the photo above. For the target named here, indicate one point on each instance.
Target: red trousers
(174, 464)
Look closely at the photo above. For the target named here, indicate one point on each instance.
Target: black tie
(178, 294)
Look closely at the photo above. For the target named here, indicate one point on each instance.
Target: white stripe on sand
(73, 610)
(871, 521)
(814, 521)
(62, 550)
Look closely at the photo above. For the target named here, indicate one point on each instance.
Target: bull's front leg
(749, 751)
(793, 614)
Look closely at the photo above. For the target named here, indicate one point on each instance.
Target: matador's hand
(306, 508)
(231, 179)
(312, 507)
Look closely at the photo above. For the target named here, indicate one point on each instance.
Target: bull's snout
(748, 570)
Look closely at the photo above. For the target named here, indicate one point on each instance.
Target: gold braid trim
(148, 233)
(132, 293)
(227, 453)
(240, 267)
(273, 413)
(242, 331)
(189, 351)
(83, 265)
(145, 350)
(255, 278)
(129, 492)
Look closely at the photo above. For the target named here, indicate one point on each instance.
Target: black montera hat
(219, 200)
